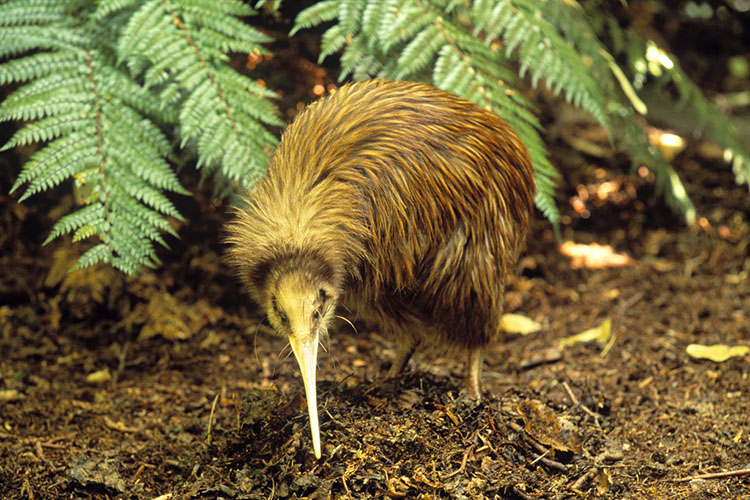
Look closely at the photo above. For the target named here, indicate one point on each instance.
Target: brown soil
(199, 401)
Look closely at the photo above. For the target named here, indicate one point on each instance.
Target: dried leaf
(7, 395)
(541, 423)
(517, 323)
(99, 377)
(594, 256)
(600, 334)
(603, 481)
(717, 352)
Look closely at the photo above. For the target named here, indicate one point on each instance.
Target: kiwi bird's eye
(283, 318)
(316, 314)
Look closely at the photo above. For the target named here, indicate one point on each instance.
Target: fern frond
(713, 124)
(332, 40)
(316, 14)
(350, 16)
(419, 52)
(83, 91)
(39, 65)
(359, 61)
(83, 233)
(32, 12)
(86, 216)
(101, 253)
(96, 125)
(430, 40)
(181, 55)
(48, 129)
(15, 40)
(372, 18)
(105, 8)
(403, 23)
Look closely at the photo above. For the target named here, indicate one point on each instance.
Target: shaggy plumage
(400, 202)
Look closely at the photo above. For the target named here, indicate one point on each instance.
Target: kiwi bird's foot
(474, 373)
(403, 355)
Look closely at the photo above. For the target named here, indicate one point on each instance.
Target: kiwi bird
(397, 202)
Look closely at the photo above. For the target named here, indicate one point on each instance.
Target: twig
(122, 356)
(210, 419)
(577, 403)
(273, 489)
(140, 470)
(118, 426)
(715, 475)
(27, 487)
(517, 428)
(520, 493)
(553, 464)
(541, 449)
(581, 481)
(447, 410)
(465, 458)
(540, 457)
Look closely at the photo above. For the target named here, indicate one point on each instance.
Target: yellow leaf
(603, 481)
(99, 377)
(601, 334)
(517, 323)
(717, 352)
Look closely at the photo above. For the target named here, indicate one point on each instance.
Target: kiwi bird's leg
(305, 349)
(474, 372)
(404, 350)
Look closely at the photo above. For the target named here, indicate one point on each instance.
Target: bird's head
(300, 305)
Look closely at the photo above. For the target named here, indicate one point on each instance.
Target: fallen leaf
(10, 395)
(603, 481)
(99, 377)
(517, 323)
(594, 256)
(717, 352)
(542, 424)
(600, 334)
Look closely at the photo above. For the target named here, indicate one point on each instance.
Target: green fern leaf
(419, 52)
(39, 65)
(50, 128)
(350, 16)
(372, 18)
(31, 12)
(333, 39)
(83, 233)
(101, 253)
(92, 215)
(403, 24)
(105, 8)
(316, 14)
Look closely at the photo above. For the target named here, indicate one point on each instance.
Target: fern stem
(178, 22)
(104, 194)
(627, 89)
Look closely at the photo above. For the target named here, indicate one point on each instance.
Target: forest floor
(169, 386)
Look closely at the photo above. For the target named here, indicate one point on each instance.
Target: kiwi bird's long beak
(305, 348)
